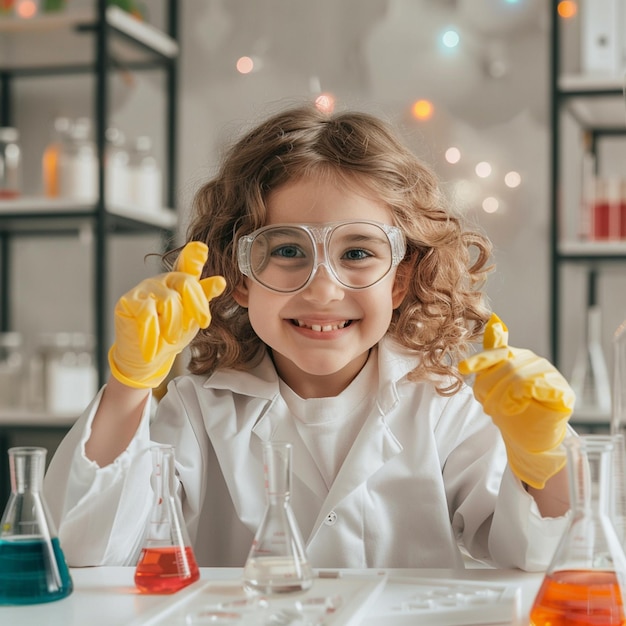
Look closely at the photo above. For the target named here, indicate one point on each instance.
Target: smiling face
(321, 336)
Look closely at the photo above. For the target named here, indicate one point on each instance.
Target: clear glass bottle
(117, 168)
(69, 378)
(167, 562)
(12, 370)
(277, 561)
(32, 564)
(586, 580)
(52, 156)
(145, 176)
(10, 163)
(78, 164)
(590, 376)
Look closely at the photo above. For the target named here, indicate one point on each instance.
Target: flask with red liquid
(167, 562)
(586, 579)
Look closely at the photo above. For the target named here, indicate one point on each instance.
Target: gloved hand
(528, 400)
(158, 318)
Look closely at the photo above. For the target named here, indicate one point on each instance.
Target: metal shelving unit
(596, 105)
(94, 42)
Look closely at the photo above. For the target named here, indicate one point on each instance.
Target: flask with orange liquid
(586, 579)
(167, 562)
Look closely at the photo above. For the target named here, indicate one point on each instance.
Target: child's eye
(288, 252)
(356, 254)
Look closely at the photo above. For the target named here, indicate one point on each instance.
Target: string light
(26, 8)
(422, 110)
(245, 65)
(453, 155)
(512, 179)
(483, 169)
(325, 102)
(450, 39)
(490, 204)
(567, 9)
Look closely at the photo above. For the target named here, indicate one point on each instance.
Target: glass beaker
(32, 564)
(585, 581)
(277, 561)
(167, 562)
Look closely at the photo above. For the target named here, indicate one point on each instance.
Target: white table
(106, 596)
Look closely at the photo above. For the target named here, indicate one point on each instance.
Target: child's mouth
(322, 328)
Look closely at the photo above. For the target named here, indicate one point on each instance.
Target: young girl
(350, 293)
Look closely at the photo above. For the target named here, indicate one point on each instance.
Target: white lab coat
(425, 474)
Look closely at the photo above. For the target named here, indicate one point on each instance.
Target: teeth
(322, 328)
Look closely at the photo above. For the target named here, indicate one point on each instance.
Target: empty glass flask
(32, 564)
(167, 562)
(586, 579)
(277, 561)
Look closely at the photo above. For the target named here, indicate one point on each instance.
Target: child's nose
(324, 287)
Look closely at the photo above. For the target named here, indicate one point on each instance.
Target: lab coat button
(331, 519)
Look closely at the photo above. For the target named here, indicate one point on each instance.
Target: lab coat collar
(394, 363)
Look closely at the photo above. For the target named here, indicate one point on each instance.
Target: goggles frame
(320, 234)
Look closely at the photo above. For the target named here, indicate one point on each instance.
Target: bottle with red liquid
(167, 562)
(586, 579)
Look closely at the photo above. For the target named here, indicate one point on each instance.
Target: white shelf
(26, 418)
(593, 248)
(22, 40)
(29, 206)
(594, 100)
(590, 83)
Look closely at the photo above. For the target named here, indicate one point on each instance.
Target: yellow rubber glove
(157, 319)
(528, 400)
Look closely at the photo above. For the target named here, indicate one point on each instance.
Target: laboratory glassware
(618, 416)
(32, 564)
(585, 581)
(277, 561)
(590, 376)
(10, 163)
(167, 561)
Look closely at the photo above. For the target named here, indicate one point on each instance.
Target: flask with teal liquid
(32, 564)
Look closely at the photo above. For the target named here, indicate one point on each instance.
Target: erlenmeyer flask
(32, 564)
(167, 562)
(277, 561)
(585, 581)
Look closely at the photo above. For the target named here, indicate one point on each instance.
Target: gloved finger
(192, 258)
(496, 333)
(213, 286)
(483, 360)
(193, 301)
(139, 315)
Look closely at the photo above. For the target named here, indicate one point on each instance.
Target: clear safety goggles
(286, 257)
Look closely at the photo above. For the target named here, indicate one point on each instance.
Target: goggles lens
(285, 257)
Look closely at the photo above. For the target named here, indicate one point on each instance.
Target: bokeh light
(325, 102)
(483, 169)
(490, 204)
(422, 110)
(453, 155)
(26, 8)
(450, 39)
(512, 179)
(567, 9)
(245, 65)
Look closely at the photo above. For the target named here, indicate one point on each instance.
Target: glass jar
(11, 370)
(68, 373)
(145, 176)
(10, 163)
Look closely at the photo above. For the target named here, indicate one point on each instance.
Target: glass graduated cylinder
(167, 562)
(586, 579)
(277, 561)
(32, 565)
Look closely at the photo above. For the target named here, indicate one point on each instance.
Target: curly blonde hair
(445, 265)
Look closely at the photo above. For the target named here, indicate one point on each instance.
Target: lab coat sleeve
(100, 512)
(520, 536)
